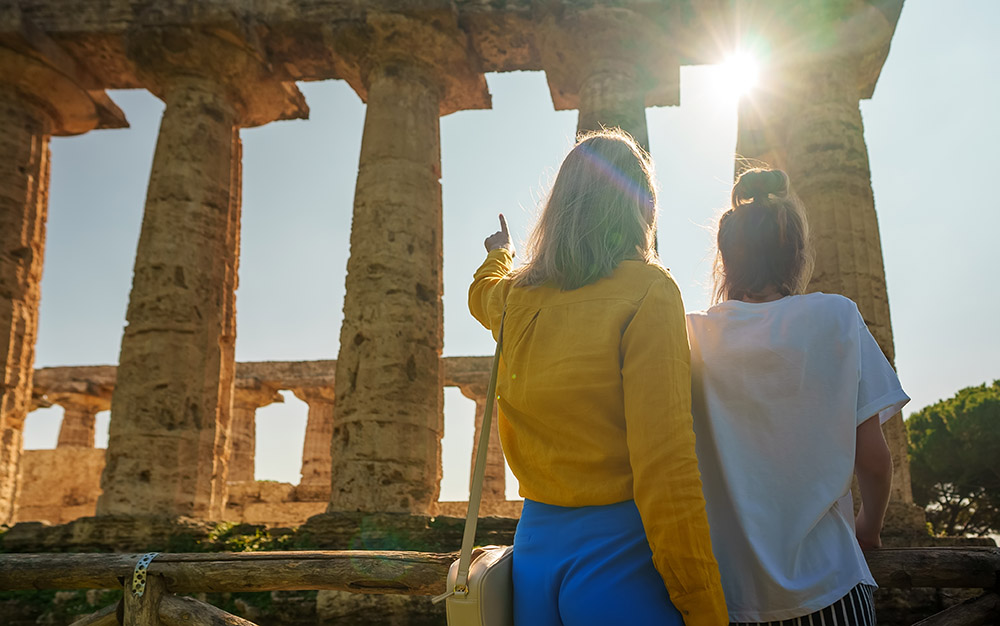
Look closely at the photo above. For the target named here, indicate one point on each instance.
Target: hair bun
(759, 183)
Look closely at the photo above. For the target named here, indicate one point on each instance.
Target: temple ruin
(375, 423)
(64, 483)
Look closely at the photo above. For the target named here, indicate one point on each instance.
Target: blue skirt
(586, 565)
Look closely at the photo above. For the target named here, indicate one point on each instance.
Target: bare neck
(768, 294)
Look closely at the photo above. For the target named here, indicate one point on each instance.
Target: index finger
(503, 225)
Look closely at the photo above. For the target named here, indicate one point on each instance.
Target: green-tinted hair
(601, 210)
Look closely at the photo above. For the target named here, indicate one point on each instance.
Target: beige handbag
(481, 590)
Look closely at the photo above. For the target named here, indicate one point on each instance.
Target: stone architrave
(249, 396)
(495, 475)
(610, 63)
(79, 415)
(317, 462)
(43, 92)
(806, 120)
(386, 447)
(169, 436)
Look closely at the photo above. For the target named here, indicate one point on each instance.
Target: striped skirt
(857, 608)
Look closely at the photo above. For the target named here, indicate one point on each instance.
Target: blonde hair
(601, 210)
(763, 239)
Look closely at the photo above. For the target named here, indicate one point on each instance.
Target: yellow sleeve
(667, 485)
(489, 289)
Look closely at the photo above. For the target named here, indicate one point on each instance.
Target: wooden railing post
(975, 612)
(180, 611)
(108, 616)
(393, 572)
(144, 609)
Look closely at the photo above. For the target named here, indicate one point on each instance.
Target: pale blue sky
(931, 129)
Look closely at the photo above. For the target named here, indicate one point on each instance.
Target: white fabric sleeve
(879, 391)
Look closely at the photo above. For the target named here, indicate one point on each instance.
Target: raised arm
(667, 486)
(488, 291)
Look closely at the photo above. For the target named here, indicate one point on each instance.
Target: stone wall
(270, 503)
(63, 484)
(59, 485)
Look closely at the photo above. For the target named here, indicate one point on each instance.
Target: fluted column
(389, 417)
(316, 460)
(806, 120)
(79, 415)
(610, 63)
(494, 477)
(389, 385)
(612, 96)
(39, 97)
(243, 435)
(24, 178)
(176, 369)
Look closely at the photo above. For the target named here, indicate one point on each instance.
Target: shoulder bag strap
(476, 491)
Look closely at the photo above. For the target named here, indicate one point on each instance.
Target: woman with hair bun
(789, 391)
(595, 405)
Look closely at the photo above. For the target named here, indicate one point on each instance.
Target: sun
(737, 75)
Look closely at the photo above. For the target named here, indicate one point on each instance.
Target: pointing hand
(500, 239)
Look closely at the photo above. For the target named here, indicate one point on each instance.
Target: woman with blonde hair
(594, 405)
(789, 391)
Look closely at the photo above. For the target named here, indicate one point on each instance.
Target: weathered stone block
(60, 485)
(399, 531)
(109, 533)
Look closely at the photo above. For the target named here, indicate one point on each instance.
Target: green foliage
(232, 537)
(58, 606)
(955, 461)
(228, 537)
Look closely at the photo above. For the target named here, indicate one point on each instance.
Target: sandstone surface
(229, 64)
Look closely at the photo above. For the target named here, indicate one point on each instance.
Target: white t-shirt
(779, 389)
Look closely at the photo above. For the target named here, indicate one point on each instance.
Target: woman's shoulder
(814, 306)
(832, 303)
(645, 274)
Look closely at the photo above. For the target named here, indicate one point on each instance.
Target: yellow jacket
(595, 408)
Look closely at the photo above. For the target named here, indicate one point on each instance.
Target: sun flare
(738, 75)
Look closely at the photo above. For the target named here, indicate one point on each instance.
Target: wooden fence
(149, 598)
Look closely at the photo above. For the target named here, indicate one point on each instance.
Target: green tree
(955, 461)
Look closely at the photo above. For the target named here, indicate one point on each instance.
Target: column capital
(71, 390)
(475, 390)
(792, 38)
(581, 43)
(433, 47)
(45, 74)
(39, 402)
(252, 394)
(229, 56)
(81, 401)
(318, 395)
(77, 429)
(471, 374)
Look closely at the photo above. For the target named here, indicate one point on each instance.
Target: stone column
(387, 438)
(248, 397)
(495, 477)
(223, 449)
(40, 96)
(807, 122)
(80, 412)
(316, 459)
(24, 177)
(176, 371)
(610, 63)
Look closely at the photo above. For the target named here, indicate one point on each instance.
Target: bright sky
(932, 133)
